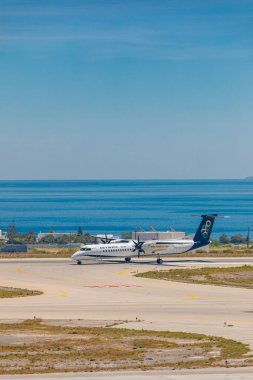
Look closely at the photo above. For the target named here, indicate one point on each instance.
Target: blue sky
(126, 89)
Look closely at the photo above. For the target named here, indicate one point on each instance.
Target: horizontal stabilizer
(211, 216)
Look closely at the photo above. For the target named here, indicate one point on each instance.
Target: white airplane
(127, 249)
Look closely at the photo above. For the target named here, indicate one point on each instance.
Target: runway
(109, 291)
(202, 374)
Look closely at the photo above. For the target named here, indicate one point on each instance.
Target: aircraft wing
(163, 246)
(165, 242)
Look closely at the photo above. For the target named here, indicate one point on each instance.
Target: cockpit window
(85, 249)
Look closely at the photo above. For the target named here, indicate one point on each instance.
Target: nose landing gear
(159, 260)
(79, 262)
(127, 259)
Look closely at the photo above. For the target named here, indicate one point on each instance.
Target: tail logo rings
(206, 229)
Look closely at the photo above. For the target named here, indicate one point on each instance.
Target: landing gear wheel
(159, 261)
(127, 259)
(79, 262)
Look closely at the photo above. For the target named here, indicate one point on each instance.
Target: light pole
(248, 237)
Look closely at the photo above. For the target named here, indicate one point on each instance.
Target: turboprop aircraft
(127, 249)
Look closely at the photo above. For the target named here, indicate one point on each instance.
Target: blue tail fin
(204, 230)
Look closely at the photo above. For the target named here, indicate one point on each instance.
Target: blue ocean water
(113, 206)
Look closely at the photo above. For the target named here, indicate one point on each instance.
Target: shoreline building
(158, 235)
(3, 236)
(41, 235)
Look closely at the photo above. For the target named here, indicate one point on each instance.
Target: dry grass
(63, 349)
(41, 253)
(236, 276)
(219, 251)
(6, 292)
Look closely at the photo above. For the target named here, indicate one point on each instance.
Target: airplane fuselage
(132, 248)
(127, 250)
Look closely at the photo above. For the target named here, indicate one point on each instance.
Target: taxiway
(110, 291)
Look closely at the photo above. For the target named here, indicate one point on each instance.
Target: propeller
(138, 246)
(106, 240)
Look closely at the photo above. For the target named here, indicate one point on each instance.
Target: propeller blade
(106, 240)
(138, 246)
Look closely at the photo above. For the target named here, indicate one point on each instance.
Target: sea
(115, 206)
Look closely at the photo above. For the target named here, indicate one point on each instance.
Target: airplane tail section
(204, 230)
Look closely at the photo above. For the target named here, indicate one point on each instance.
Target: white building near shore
(158, 235)
(41, 235)
(3, 236)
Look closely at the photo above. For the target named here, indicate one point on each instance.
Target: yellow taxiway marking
(191, 296)
(63, 293)
(123, 272)
(18, 270)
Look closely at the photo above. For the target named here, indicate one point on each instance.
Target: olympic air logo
(206, 229)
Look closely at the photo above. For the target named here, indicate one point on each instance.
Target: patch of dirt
(34, 346)
(236, 275)
(198, 278)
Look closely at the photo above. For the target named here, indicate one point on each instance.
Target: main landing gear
(79, 262)
(159, 260)
(127, 259)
